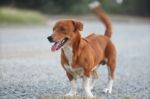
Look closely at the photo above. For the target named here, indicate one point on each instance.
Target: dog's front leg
(87, 87)
(73, 90)
(93, 79)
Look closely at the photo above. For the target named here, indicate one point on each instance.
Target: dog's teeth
(62, 41)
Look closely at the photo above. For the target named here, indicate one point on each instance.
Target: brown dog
(80, 57)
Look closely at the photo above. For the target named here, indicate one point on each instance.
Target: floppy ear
(78, 25)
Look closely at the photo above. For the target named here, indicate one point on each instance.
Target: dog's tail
(103, 17)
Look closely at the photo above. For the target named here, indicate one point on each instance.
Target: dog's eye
(62, 29)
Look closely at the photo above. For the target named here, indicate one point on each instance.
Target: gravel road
(28, 69)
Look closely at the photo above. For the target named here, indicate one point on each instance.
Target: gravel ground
(28, 69)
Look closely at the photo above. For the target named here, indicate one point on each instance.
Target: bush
(12, 15)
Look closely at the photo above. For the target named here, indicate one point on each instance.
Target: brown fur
(90, 51)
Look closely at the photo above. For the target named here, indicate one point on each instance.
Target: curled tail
(103, 17)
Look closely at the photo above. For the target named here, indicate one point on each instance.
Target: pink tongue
(55, 47)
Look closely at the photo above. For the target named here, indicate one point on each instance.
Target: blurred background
(28, 68)
(40, 8)
(125, 7)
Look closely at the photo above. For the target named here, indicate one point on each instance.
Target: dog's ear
(78, 25)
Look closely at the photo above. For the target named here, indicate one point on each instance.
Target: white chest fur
(68, 53)
(78, 72)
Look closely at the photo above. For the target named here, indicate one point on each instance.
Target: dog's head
(63, 33)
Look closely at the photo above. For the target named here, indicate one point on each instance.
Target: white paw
(90, 95)
(70, 93)
(107, 90)
(92, 88)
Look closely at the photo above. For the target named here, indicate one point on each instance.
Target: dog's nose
(50, 38)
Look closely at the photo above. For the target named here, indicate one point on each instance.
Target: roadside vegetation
(17, 16)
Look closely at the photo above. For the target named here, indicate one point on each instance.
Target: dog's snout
(50, 38)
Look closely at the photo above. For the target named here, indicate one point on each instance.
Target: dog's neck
(68, 53)
(76, 41)
(71, 48)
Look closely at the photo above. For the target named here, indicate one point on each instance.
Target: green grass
(17, 16)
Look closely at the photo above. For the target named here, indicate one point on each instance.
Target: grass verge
(17, 16)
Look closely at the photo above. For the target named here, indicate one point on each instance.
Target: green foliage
(135, 7)
(50, 6)
(12, 15)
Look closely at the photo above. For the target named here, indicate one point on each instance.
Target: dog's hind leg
(111, 65)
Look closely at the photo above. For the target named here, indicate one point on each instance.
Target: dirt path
(28, 69)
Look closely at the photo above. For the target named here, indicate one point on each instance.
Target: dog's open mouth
(58, 45)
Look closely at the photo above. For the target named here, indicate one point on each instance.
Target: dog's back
(102, 40)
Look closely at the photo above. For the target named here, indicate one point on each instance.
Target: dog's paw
(70, 94)
(90, 97)
(91, 88)
(107, 90)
